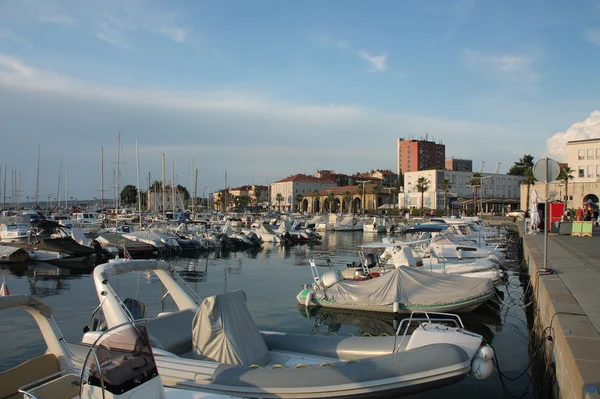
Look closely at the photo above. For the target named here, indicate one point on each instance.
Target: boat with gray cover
(213, 345)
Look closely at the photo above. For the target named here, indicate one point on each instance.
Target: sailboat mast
(195, 194)
(137, 157)
(163, 184)
(174, 193)
(18, 190)
(117, 180)
(37, 180)
(66, 188)
(50, 196)
(58, 188)
(102, 179)
(192, 183)
(226, 193)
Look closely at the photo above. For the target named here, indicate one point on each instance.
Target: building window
(597, 153)
(581, 154)
(590, 154)
(590, 171)
(597, 170)
(581, 171)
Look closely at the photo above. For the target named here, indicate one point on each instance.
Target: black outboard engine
(370, 260)
(136, 308)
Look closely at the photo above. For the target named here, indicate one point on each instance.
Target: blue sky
(264, 89)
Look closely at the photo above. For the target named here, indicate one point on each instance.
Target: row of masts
(14, 199)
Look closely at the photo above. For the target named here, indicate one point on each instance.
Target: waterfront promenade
(568, 306)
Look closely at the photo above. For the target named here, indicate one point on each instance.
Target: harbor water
(271, 277)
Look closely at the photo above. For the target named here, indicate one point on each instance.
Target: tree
(298, 198)
(243, 201)
(184, 190)
(566, 175)
(156, 185)
(316, 198)
(475, 182)
(347, 198)
(446, 186)
(331, 199)
(522, 166)
(422, 186)
(257, 194)
(279, 199)
(129, 194)
(376, 192)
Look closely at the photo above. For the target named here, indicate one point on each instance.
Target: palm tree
(376, 192)
(279, 198)
(446, 186)
(298, 199)
(422, 186)
(331, 199)
(257, 194)
(475, 182)
(524, 167)
(565, 174)
(347, 198)
(316, 198)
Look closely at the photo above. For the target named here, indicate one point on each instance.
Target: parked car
(516, 213)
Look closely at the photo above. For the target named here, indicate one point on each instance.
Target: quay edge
(567, 308)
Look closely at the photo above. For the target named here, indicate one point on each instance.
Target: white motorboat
(213, 345)
(14, 232)
(403, 289)
(118, 364)
(88, 220)
(348, 223)
(378, 225)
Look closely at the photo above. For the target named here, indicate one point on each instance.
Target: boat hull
(465, 306)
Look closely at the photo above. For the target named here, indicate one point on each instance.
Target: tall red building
(414, 155)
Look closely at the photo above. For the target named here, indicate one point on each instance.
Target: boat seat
(172, 332)
(25, 373)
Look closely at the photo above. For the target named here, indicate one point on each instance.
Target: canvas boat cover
(224, 331)
(6, 251)
(407, 286)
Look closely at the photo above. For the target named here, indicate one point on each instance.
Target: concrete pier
(568, 309)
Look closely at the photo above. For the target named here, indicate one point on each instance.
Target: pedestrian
(579, 214)
(588, 215)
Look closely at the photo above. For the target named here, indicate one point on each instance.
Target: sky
(265, 89)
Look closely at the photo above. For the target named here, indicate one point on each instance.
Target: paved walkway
(569, 302)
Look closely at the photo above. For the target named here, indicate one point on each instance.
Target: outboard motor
(136, 308)
(370, 260)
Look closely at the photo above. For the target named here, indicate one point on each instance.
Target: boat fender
(481, 370)
(396, 307)
(459, 253)
(59, 256)
(308, 299)
(326, 364)
(482, 365)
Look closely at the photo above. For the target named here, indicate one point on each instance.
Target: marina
(283, 269)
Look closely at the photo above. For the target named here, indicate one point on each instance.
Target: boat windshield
(121, 359)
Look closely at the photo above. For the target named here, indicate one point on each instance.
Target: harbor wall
(571, 342)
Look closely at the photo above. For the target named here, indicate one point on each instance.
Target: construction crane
(481, 169)
(497, 169)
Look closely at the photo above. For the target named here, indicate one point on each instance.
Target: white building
(294, 185)
(493, 186)
(584, 159)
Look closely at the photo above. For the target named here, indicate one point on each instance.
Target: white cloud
(240, 130)
(592, 35)
(7, 34)
(518, 68)
(176, 34)
(378, 62)
(587, 129)
(59, 19)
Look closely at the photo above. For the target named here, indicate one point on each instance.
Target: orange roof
(300, 178)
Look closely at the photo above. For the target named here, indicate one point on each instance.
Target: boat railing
(189, 290)
(425, 317)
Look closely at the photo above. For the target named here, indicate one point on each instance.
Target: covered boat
(12, 254)
(404, 289)
(213, 345)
